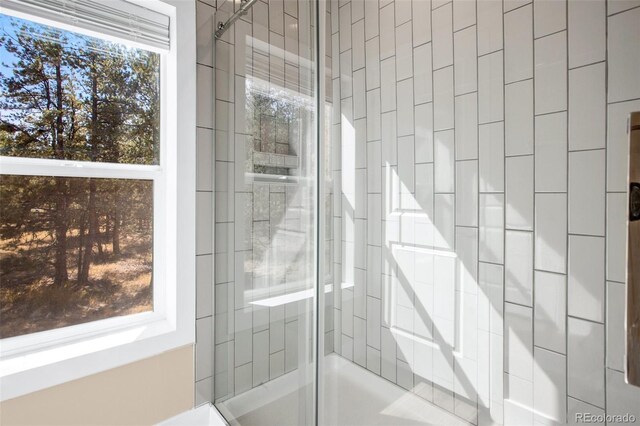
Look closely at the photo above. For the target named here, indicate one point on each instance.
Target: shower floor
(354, 396)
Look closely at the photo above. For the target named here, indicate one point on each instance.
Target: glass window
(80, 137)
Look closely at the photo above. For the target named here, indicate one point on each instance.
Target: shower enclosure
(419, 208)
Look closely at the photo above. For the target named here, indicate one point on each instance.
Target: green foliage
(71, 97)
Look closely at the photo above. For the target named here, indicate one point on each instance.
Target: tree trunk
(116, 228)
(61, 227)
(91, 207)
(81, 243)
(83, 278)
(62, 196)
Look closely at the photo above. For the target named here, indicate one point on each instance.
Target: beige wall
(140, 393)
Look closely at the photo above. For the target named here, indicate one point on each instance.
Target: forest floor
(29, 302)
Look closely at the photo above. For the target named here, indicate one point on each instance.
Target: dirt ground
(29, 301)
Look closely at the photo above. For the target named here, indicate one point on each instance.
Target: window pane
(73, 250)
(68, 96)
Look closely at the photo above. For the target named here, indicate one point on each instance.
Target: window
(91, 254)
(76, 248)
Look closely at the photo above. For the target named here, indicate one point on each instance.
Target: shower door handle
(632, 369)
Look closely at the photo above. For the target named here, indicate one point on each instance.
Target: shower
(420, 211)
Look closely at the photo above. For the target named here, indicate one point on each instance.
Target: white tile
(387, 32)
(551, 73)
(466, 133)
(388, 84)
(616, 236)
(372, 50)
(615, 323)
(374, 217)
(204, 286)
(467, 276)
(345, 27)
(204, 348)
(622, 399)
(204, 213)
(347, 347)
(347, 312)
(373, 322)
(518, 265)
(374, 169)
(405, 107)
(491, 157)
(357, 42)
(442, 30)
(549, 386)
(444, 206)
(371, 14)
(518, 403)
(587, 192)
(587, 107)
(586, 277)
(444, 161)
(551, 152)
(465, 59)
(388, 352)
(204, 104)
(291, 8)
(406, 164)
(443, 105)
(492, 289)
(204, 166)
(490, 88)
(357, 10)
(489, 26)
(464, 14)
(587, 32)
(203, 391)
(373, 359)
(403, 11)
(585, 356)
(424, 133)
(421, 13)
(519, 118)
(624, 56)
(576, 411)
(276, 16)
(359, 95)
(422, 74)
(260, 359)
(514, 4)
(204, 22)
(346, 80)
(519, 193)
(518, 323)
(550, 311)
(404, 50)
(518, 48)
(389, 141)
(467, 193)
(492, 228)
(360, 128)
(551, 232)
(616, 6)
(549, 16)
(617, 144)
(360, 341)
(373, 271)
(373, 115)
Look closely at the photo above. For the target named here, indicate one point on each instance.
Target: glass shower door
(265, 214)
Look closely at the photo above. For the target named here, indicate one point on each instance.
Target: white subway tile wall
(477, 224)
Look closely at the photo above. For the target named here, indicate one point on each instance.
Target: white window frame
(39, 360)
